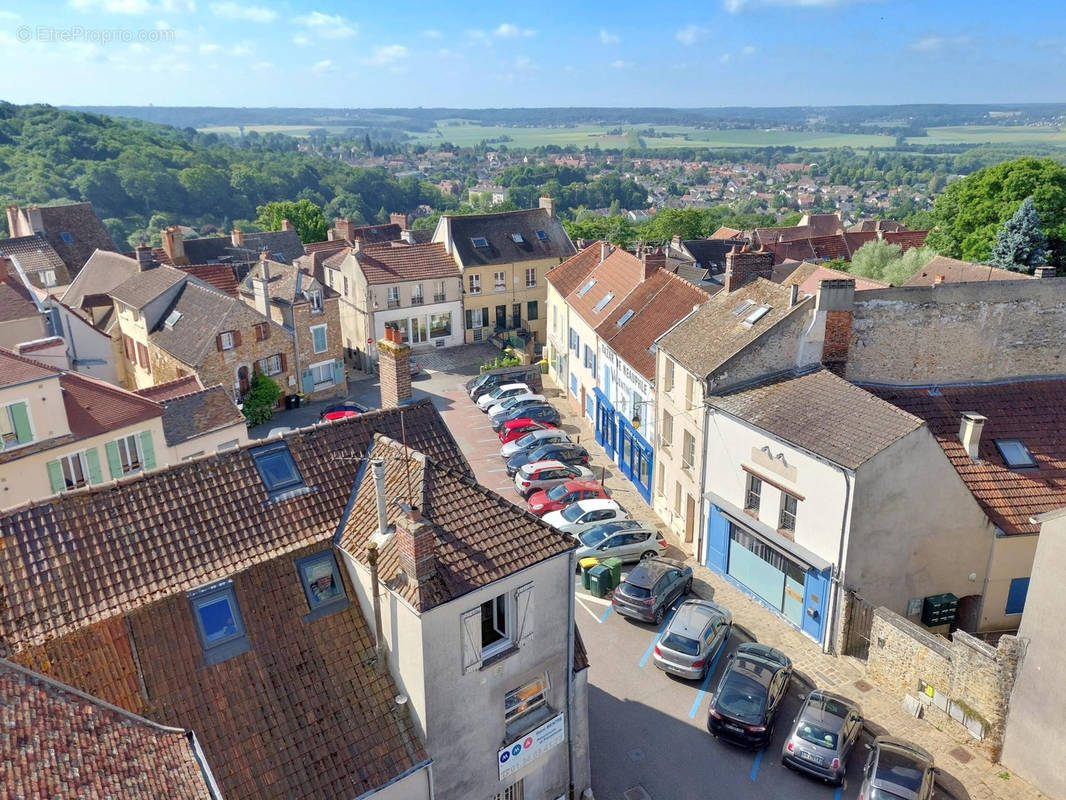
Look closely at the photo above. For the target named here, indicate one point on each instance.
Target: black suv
(487, 381)
(538, 413)
(749, 695)
(555, 451)
(651, 587)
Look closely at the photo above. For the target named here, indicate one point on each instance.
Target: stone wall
(959, 681)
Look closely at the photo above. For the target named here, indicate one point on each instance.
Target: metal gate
(857, 629)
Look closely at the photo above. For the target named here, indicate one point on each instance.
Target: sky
(484, 53)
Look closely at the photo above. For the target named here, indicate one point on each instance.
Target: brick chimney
(174, 245)
(237, 237)
(938, 279)
(343, 229)
(548, 204)
(416, 545)
(399, 219)
(144, 257)
(743, 265)
(970, 428)
(1044, 272)
(651, 261)
(261, 288)
(836, 299)
(394, 369)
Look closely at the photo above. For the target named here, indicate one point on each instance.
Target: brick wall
(970, 681)
(394, 369)
(415, 541)
(742, 265)
(837, 340)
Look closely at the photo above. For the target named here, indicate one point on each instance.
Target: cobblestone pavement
(967, 772)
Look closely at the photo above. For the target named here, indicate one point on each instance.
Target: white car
(501, 393)
(514, 402)
(584, 514)
(534, 439)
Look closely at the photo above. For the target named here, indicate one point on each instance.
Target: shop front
(606, 431)
(635, 457)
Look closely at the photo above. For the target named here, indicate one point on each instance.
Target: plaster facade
(677, 487)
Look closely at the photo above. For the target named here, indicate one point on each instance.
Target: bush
(259, 402)
(508, 359)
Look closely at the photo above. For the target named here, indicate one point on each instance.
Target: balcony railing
(440, 297)
(393, 303)
(417, 299)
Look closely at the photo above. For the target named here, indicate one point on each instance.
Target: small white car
(514, 402)
(584, 514)
(534, 439)
(501, 393)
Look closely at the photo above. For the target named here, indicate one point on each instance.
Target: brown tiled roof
(199, 413)
(102, 273)
(867, 225)
(795, 250)
(952, 270)
(856, 240)
(712, 335)
(372, 234)
(142, 288)
(18, 369)
(212, 249)
(221, 276)
(807, 276)
(725, 233)
(81, 222)
(175, 388)
(571, 273)
(581, 656)
(768, 236)
(830, 246)
(906, 239)
(480, 536)
(389, 263)
(821, 413)
(822, 224)
(329, 246)
(658, 303)
(620, 273)
(497, 228)
(59, 742)
(1031, 410)
(85, 556)
(34, 253)
(15, 300)
(288, 283)
(94, 406)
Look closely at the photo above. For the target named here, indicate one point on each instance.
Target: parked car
(536, 413)
(545, 474)
(826, 728)
(651, 587)
(556, 451)
(517, 401)
(897, 770)
(501, 393)
(517, 428)
(560, 496)
(583, 514)
(749, 695)
(534, 439)
(490, 379)
(633, 543)
(698, 630)
(341, 411)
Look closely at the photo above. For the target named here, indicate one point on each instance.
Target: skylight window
(756, 315)
(67, 237)
(742, 308)
(479, 241)
(172, 319)
(277, 469)
(218, 621)
(624, 318)
(322, 583)
(542, 235)
(603, 301)
(584, 290)
(1015, 453)
(517, 238)
(653, 348)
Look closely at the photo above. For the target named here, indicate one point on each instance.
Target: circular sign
(516, 749)
(369, 341)
(528, 743)
(504, 757)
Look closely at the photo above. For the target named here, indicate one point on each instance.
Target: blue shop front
(783, 575)
(624, 444)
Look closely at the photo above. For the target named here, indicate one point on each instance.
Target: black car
(540, 412)
(749, 695)
(556, 451)
(487, 381)
(651, 587)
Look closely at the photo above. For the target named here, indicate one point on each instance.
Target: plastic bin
(615, 566)
(586, 564)
(292, 401)
(599, 580)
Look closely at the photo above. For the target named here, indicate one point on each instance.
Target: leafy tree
(210, 187)
(899, 272)
(306, 217)
(258, 405)
(870, 260)
(1021, 243)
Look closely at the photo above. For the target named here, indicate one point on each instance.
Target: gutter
(837, 577)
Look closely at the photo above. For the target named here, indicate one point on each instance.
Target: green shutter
(55, 476)
(92, 458)
(307, 379)
(147, 450)
(338, 372)
(20, 418)
(469, 319)
(114, 463)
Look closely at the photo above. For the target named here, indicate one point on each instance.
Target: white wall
(586, 377)
(454, 308)
(624, 382)
(415, 786)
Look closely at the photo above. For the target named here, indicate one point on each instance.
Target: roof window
(1015, 453)
(756, 315)
(277, 470)
(172, 319)
(479, 241)
(517, 238)
(584, 290)
(67, 237)
(603, 301)
(742, 308)
(322, 584)
(624, 318)
(542, 235)
(218, 621)
(653, 348)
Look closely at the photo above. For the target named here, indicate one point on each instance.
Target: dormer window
(277, 469)
(321, 581)
(1015, 453)
(315, 296)
(479, 241)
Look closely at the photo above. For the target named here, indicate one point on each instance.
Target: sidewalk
(967, 773)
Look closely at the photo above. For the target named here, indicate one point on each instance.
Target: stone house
(72, 232)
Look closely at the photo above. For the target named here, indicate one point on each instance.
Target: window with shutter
(524, 613)
(470, 633)
(15, 426)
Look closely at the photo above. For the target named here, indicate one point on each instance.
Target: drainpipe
(703, 474)
(837, 578)
(378, 466)
(570, 565)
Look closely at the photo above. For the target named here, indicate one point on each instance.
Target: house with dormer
(40, 235)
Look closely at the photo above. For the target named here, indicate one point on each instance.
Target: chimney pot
(605, 250)
(237, 237)
(970, 428)
(1044, 272)
(938, 279)
(286, 225)
(548, 204)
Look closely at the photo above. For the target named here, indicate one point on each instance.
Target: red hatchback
(540, 503)
(517, 428)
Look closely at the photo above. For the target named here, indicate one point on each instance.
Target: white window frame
(123, 453)
(315, 296)
(325, 339)
(227, 340)
(47, 277)
(474, 283)
(327, 367)
(784, 514)
(499, 281)
(687, 462)
(392, 294)
(753, 489)
(531, 277)
(66, 463)
(266, 365)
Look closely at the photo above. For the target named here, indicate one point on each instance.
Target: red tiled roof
(221, 276)
(60, 742)
(174, 388)
(725, 233)
(95, 407)
(329, 246)
(952, 270)
(856, 239)
(18, 369)
(15, 300)
(807, 276)
(388, 263)
(1031, 410)
(906, 239)
(620, 273)
(571, 273)
(830, 246)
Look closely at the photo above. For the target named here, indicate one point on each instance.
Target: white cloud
(508, 31)
(208, 47)
(620, 64)
(934, 44)
(525, 64)
(231, 10)
(324, 66)
(690, 34)
(736, 6)
(328, 26)
(725, 58)
(114, 6)
(179, 6)
(432, 34)
(607, 37)
(262, 66)
(748, 50)
(242, 49)
(300, 40)
(9, 15)
(387, 55)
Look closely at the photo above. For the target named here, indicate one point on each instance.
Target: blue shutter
(92, 458)
(1019, 588)
(55, 476)
(307, 381)
(147, 450)
(338, 372)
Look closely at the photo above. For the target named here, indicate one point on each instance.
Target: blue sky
(490, 54)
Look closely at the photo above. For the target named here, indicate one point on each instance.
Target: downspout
(570, 561)
(703, 475)
(837, 577)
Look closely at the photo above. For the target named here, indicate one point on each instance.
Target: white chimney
(378, 467)
(970, 432)
(261, 289)
(605, 250)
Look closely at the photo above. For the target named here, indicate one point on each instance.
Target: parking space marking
(658, 633)
(706, 681)
(498, 469)
(838, 792)
(500, 489)
(489, 439)
(755, 766)
(605, 613)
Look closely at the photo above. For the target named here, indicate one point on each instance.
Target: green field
(994, 134)
(289, 130)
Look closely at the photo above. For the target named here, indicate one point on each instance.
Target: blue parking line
(658, 633)
(755, 766)
(836, 794)
(706, 681)
(605, 613)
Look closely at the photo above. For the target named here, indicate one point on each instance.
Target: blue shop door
(717, 540)
(815, 602)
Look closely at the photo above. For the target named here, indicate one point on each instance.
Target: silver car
(696, 633)
(517, 401)
(633, 543)
(823, 734)
(534, 439)
(898, 770)
(539, 475)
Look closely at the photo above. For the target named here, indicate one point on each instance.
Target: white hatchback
(534, 439)
(584, 514)
(501, 393)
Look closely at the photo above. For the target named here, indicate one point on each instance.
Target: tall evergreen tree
(1021, 243)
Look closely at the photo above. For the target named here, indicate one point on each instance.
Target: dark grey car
(696, 633)
(826, 728)
(652, 586)
(897, 770)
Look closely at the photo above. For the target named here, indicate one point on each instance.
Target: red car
(557, 497)
(517, 428)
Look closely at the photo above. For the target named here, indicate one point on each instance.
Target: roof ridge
(5, 352)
